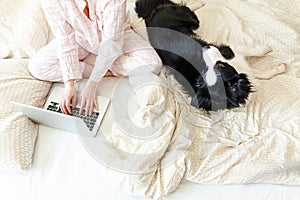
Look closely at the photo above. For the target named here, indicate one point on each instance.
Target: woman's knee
(43, 71)
(34, 69)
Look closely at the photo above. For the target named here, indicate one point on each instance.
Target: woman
(90, 30)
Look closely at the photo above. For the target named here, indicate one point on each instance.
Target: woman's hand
(88, 98)
(68, 97)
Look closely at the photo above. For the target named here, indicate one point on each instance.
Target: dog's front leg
(258, 51)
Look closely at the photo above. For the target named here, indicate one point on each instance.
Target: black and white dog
(212, 82)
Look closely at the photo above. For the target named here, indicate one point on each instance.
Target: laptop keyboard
(88, 120)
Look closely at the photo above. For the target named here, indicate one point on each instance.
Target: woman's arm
(67, 51)
(65, 34)
(114, 19)
(114, 23)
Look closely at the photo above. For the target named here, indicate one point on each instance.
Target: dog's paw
(196, 5)
(263, 50)
(278, 69)
(281, 68)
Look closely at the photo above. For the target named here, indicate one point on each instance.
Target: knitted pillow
(17, 132)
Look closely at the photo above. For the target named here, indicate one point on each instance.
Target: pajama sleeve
(114, 19)
(65, 34)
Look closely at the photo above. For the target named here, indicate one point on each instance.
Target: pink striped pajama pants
(139, 58)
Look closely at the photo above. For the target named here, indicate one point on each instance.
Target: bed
(153, 144)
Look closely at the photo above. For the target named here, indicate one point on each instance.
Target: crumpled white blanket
(258, 143)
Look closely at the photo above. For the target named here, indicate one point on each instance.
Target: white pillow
(24, 28)
(18, 133)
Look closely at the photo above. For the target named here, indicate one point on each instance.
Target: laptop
(51, 116)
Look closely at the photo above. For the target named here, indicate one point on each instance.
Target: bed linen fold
(258, 143)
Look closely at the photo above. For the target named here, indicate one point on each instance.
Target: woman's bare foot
(109, 74)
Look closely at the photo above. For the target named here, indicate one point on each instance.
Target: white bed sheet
(63, 169)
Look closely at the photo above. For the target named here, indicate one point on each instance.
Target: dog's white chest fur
(211, 56)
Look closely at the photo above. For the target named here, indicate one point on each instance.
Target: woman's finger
(82, 103)
(96, 103)
(63, 107)
(91, 108)
(74, 101)
(87, 108)
(60, 105)
(68, 106)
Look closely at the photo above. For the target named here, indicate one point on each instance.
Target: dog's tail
(144, 8)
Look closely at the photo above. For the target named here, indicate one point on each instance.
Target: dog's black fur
(184, 54)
